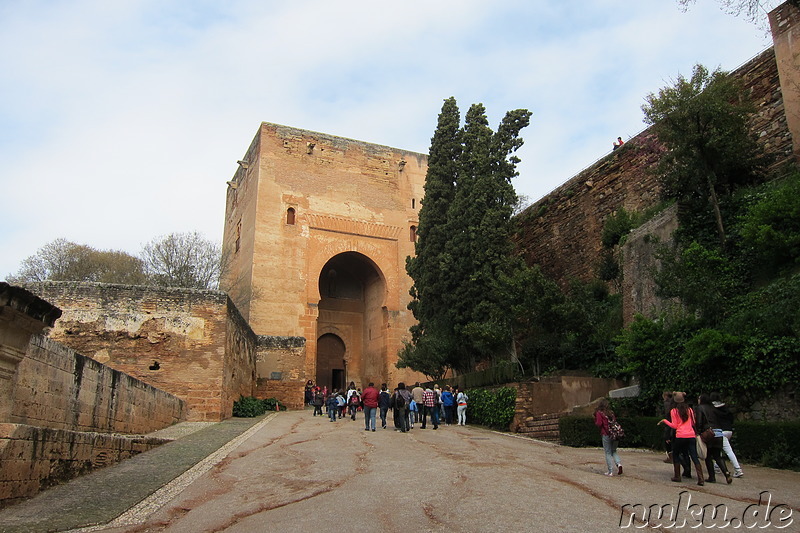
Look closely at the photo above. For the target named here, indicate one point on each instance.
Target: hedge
(248, 406)
(492, 407)
(773, 444)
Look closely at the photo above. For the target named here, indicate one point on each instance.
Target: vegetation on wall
(735, 262)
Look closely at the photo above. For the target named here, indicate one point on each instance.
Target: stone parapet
(34, 458)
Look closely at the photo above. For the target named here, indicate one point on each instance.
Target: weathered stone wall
(50, 390)
(638, 288)
(190, 343)
(561, 232)
(302, 199)
(279, 366)
(34, 458)
(557, 395)
(56, 387)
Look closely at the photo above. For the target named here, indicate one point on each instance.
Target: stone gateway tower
(317, 231)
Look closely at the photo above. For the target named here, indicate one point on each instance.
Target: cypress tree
(432, 338)
(464, 245)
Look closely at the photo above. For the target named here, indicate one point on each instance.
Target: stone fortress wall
(562, 231)
(63, 414)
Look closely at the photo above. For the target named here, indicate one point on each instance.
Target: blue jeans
(369, 417)
(384, 410)
(612, 457)
(332, 413)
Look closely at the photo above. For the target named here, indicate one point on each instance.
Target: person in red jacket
(369, 401)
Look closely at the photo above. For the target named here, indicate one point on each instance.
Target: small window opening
(155, 366)
(290, 216)
(413, 234)
(413, 203)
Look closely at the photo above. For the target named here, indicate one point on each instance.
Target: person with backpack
(333, 405)
(461, 400)
(353, 403)
(449, 403)
(318, 401)
(610, 433)
(341, 404)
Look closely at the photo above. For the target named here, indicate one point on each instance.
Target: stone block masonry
(34, 458)
(562, 231)
(191, 343)
(56, 387)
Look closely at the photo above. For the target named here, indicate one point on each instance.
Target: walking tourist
(384, 402)
(682, 420)
(461, 401)
(369, 400)
(707, 420)
(610, 433)
(725, 419)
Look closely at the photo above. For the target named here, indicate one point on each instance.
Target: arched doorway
(330, 361)
(352, 293)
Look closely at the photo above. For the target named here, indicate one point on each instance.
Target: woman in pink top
(682, 421)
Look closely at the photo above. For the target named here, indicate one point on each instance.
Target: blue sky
(121, 121)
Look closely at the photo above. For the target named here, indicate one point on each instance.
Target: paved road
(294, 472)
(304, 473)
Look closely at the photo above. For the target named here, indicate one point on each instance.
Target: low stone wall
(34, 458)
(557, 395)
(56, 387)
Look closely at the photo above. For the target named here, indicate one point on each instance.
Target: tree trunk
(717, 214)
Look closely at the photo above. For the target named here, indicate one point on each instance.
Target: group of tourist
(708, 426)
(408, 407)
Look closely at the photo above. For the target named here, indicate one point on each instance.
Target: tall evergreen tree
(464, 244)
(432, 339)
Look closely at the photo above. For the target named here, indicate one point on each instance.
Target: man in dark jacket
(384, 402)
(725, 420)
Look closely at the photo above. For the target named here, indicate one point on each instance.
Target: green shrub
(773, 444)
(492, 407)
(578, 431)
(270, 404)
(640, 432)
(248, 406)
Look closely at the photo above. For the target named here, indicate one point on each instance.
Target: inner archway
(330, 361)
(352, 293)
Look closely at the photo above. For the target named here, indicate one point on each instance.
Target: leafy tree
(703, 122)
(183, 260)
(62, 260)
(771, 227)
(702, 278)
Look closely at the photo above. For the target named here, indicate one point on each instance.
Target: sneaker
(738, 473)
(619, 470)
(609, 474)
(373, 429)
